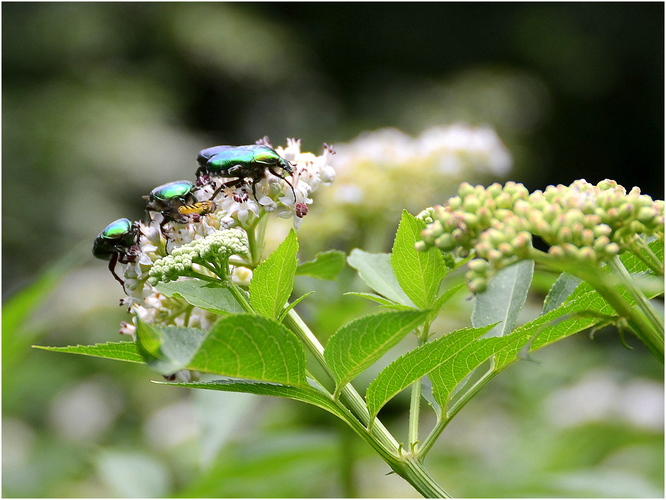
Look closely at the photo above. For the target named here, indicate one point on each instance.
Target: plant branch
(651, 335)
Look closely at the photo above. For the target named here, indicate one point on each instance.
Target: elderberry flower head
(193, 229)
(580, 223)
(204, 256)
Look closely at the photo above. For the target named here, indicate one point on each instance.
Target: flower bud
(445, 242)
(465, 189)
(587, 254)
(478, 265)
(478, 285)
(471, 203)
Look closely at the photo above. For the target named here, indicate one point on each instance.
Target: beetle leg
(235, 183)
(112, 268)
(270, 169)
(164, 221)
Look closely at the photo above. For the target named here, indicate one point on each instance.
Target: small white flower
(268, 204)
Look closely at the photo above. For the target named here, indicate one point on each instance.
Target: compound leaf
(358, 344)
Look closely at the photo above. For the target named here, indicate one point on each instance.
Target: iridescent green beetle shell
(164, 196)
(117, 237)
(240, 161)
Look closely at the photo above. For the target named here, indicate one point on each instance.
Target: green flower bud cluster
(211, 252)
(426, 215)
(582, 223)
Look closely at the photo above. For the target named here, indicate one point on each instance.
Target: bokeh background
(104, 101)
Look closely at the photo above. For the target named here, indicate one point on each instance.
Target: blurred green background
(104, 101)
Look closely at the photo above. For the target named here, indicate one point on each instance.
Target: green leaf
(635, 265)
(292, 305)
(426, 392)
(252, 347)
(374, 297)
(213, 297)
(419, 273)
(121, 351)
(168, 349)
(561, 289)
(376, 271)
(458, 353)
(305, 394)
(447, 376)
(504, 298)
(325, 266)
(358, 344)
(273, 280)
(583, 309)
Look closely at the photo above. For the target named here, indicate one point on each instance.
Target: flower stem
(415, 402)
(655, 319)
(647, 330)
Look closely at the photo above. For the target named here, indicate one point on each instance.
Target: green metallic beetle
(241, 162)
(167, 198)
(118, 242)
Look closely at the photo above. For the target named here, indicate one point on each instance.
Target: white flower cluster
(450, 150)
(380, 167)
(237, 206)
(167, 249)
(200, 255)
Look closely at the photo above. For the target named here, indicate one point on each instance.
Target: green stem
(655, 319)
(240, 295)
(415, 402)
(407, 466)
(414, 415)
(652, 337)
(294, 322)
(255, 239)
(651, 334)
(641, 250)
(347, 460)
(413, 471)
(455, 408)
